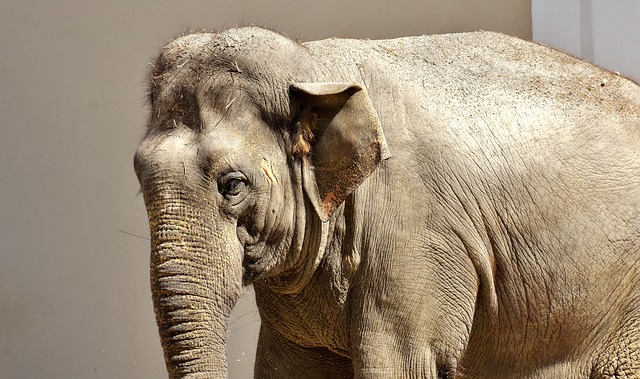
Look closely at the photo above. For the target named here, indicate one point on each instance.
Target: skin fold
(447, 206)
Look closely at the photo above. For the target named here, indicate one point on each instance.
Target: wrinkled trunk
(195, 282)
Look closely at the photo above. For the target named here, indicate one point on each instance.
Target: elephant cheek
(196, 271)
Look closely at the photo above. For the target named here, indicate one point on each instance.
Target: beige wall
(74, 295)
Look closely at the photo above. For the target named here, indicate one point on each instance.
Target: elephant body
(447, 206)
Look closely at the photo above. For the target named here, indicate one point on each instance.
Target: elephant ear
(338, 138)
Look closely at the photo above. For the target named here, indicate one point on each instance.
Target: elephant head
(251, 146)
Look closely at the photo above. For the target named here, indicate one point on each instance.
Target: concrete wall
(604, 32)
(74, 292)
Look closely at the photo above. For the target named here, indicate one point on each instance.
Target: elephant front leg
(279, 358)
(404, 328)
(380, 352)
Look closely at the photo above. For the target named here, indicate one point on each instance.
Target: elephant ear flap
(338, 138)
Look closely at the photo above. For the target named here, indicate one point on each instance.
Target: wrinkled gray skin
(451, 206)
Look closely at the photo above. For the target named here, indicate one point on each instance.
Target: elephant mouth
(254, 263)
(253, 270)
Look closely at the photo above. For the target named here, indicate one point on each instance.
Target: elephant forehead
(247, 142)
(163, 148)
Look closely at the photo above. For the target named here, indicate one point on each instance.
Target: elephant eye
(233, 186)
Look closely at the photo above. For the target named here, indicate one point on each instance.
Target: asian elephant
(446, 206)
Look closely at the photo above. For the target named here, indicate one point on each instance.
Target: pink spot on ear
(330, 202)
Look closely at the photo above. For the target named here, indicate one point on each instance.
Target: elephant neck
(312, 239)
(319, 282)
(318, 289)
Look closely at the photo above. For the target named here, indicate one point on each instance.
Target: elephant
(461, 205)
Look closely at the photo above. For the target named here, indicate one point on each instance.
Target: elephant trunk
(196, 273)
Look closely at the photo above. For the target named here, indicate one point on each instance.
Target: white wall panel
(606, 33)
